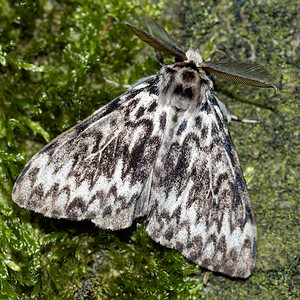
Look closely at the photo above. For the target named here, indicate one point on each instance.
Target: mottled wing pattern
(99, 169)
(161, 150)
(200, 203)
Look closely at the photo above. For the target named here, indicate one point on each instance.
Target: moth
(160, 150)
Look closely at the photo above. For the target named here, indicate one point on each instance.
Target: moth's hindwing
(99, 169)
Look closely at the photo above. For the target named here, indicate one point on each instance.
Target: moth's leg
(141, 81)
(235, 118)
(205, 278)
(159, 57)
(118, 85)
(228, 117)
(224, 110)
(127, 86)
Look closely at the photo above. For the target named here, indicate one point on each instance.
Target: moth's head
(194, 55)
(236, 71)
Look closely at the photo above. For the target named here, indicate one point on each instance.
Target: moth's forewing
(160, 150)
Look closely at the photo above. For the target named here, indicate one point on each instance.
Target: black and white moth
(160, 150)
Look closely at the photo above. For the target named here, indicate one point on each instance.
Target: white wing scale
(199, 201)
(206, 211)
(162, 150)
(98, 169)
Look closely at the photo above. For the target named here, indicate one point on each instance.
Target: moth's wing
(99, 169)
(200, 203)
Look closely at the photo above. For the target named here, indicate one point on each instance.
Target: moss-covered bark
(53, 60)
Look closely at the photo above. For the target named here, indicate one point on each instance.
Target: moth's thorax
(185, 84)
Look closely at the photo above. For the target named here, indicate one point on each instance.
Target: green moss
(53, 61)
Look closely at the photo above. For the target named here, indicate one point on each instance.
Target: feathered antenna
(157, 37)
(241, 72)
(236, 71)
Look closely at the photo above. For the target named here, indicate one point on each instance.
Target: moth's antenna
(157, 37)
(241, 72)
